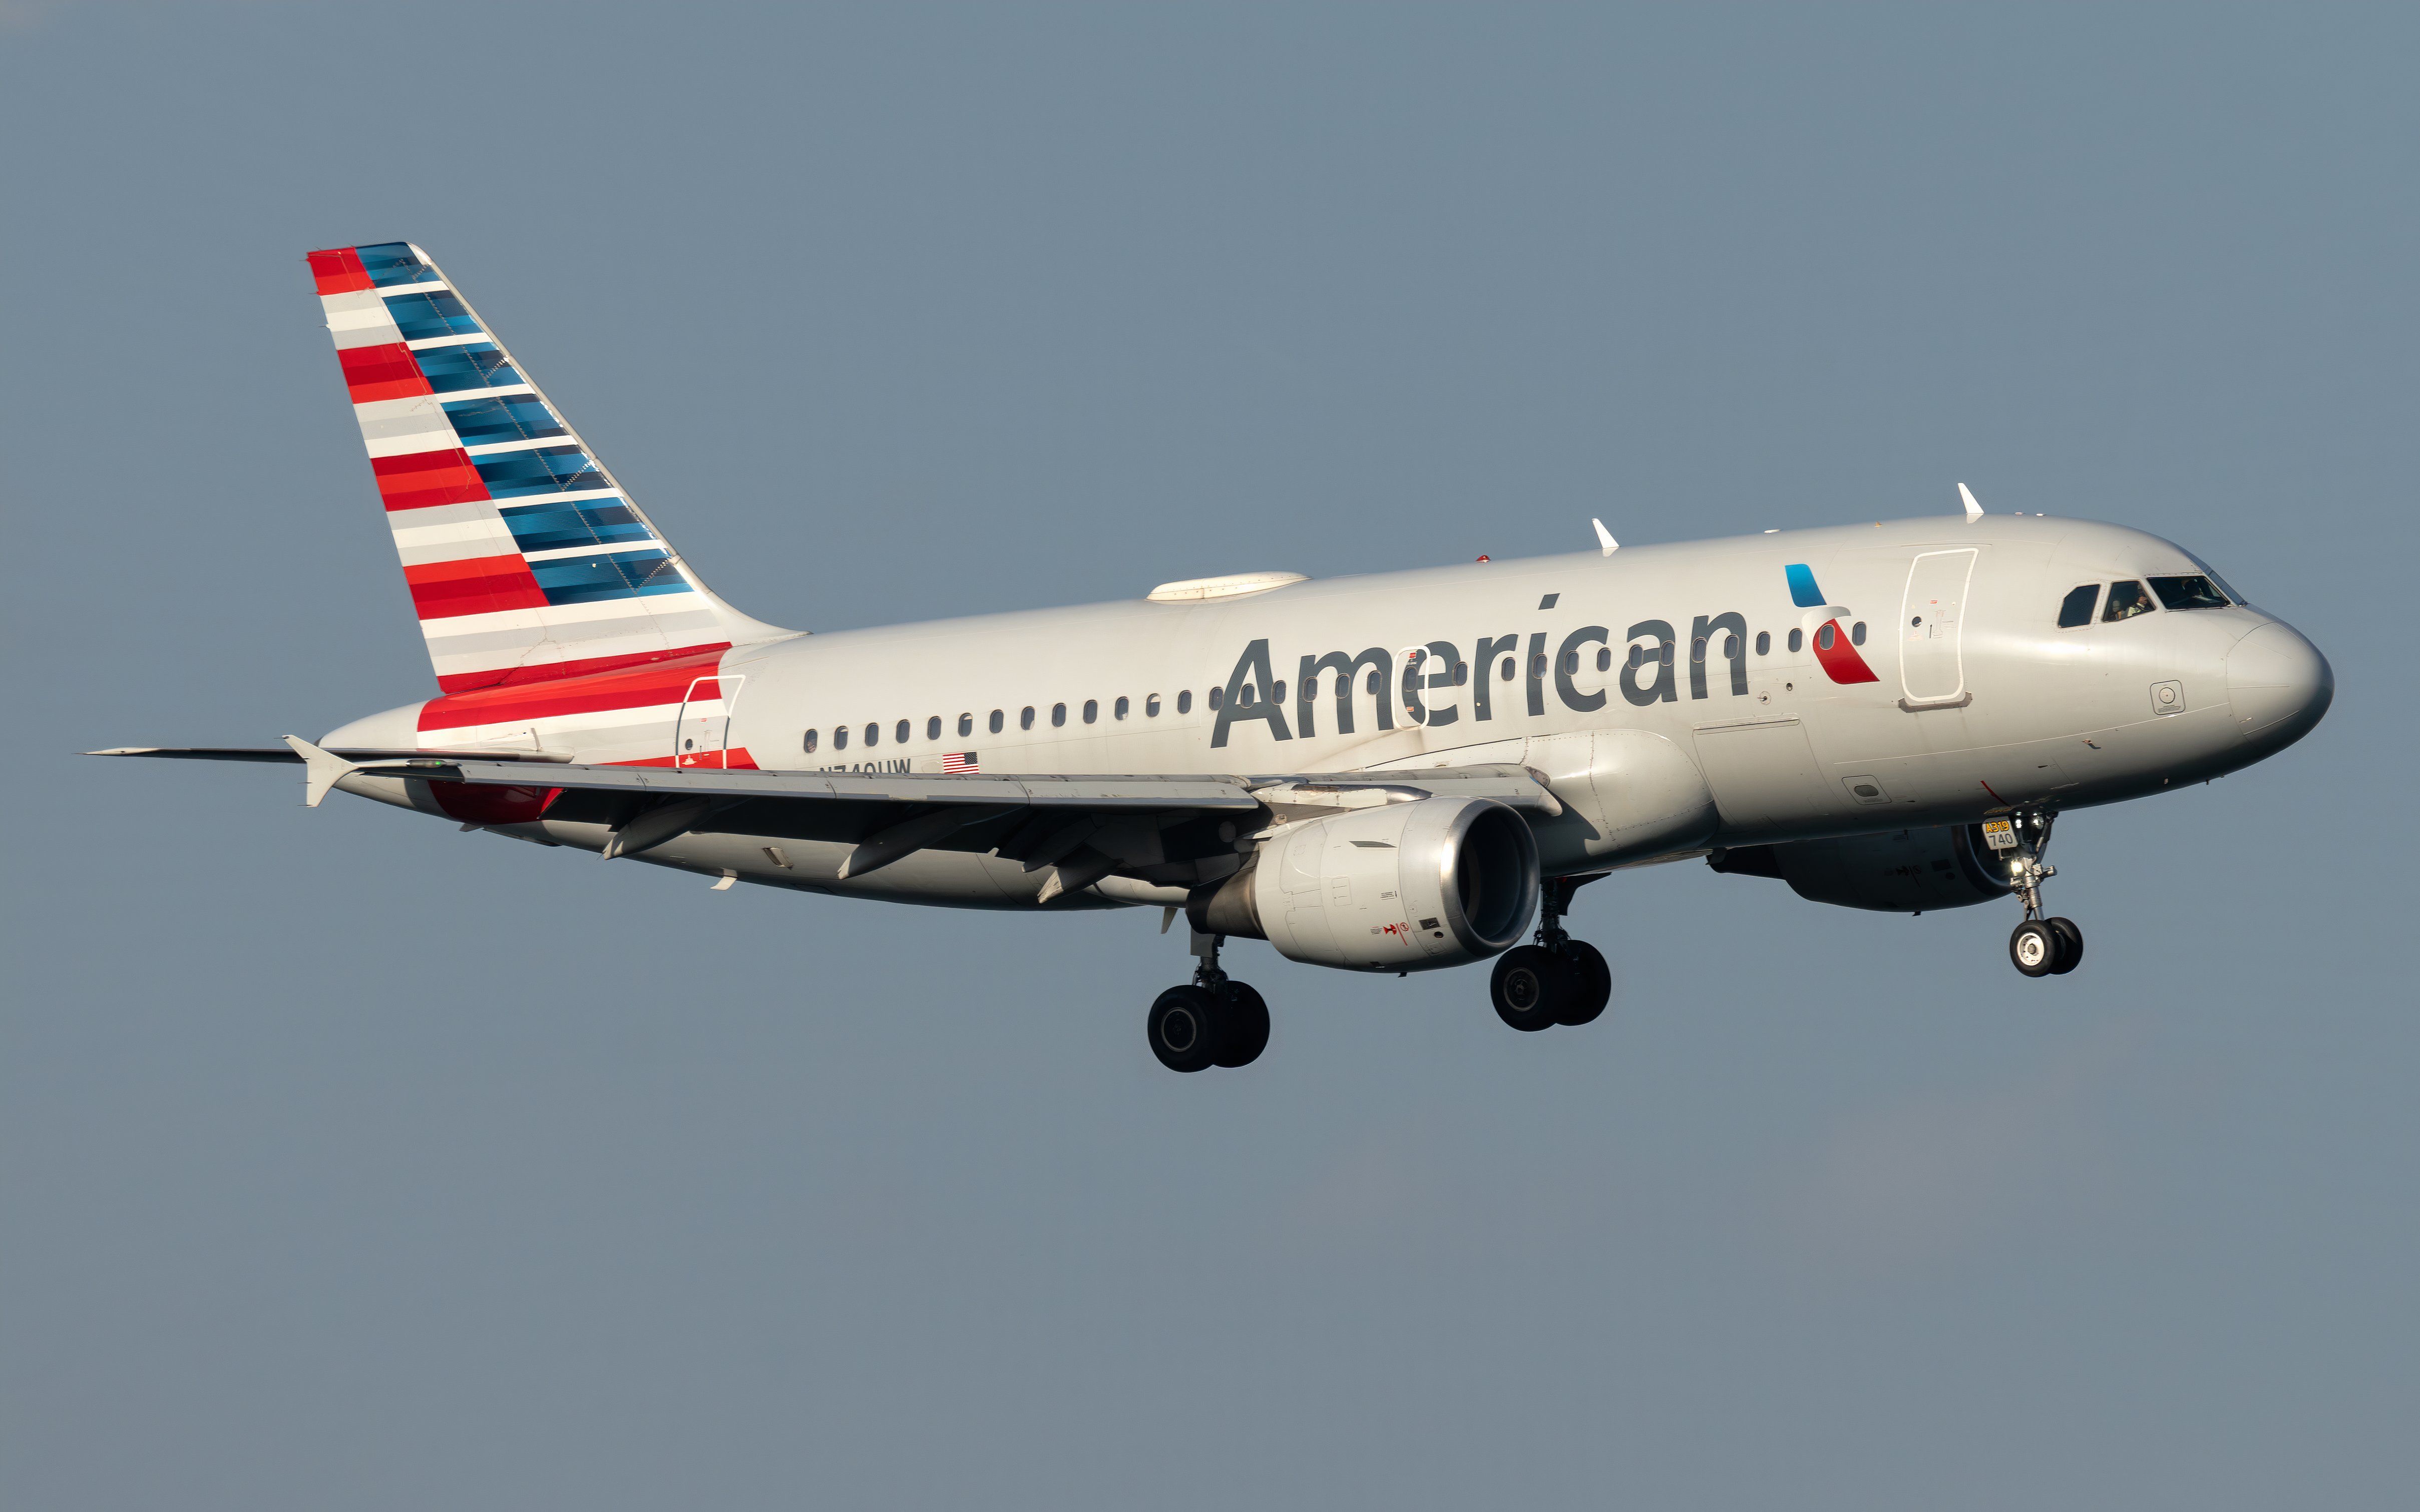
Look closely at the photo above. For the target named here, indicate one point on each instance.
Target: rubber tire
(2038, 942)
(1592, 986)
(1244, 1027)
(2070, 946)
(1188, 1016)
(1529, 985)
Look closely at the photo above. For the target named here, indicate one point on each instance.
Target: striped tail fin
(526, 560)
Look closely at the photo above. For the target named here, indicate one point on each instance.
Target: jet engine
(1905, 871)
(1398, 886)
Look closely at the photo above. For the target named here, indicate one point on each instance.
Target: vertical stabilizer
(526, 560)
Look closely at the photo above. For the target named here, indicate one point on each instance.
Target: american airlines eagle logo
(1838, 658)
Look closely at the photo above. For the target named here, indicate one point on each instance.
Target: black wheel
(1532, 984)
(2070, 946)
(2035, 948)
(1244, 1027)
(1591, 984)
(1184, 1027)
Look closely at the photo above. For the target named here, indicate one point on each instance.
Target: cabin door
(703, 732)
(1932, 615)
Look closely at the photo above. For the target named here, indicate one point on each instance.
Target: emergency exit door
(1932, 667)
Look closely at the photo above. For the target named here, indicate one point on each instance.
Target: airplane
(1391, 773)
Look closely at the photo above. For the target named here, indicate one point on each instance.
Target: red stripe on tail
(473, 585)
(635, 687)
(338, 271)
(388, 372)
(554, 671)
(425, 479)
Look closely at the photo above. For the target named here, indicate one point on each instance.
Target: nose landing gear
(1557, 980)
(2039, 946)
(1210, 1021)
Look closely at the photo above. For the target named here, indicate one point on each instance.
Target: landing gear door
(1932, 616)
(701, 733)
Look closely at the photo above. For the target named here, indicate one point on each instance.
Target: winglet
(1606, 545)
(1973, 510)
(322, 769)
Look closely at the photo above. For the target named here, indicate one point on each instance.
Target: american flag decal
(960, 761)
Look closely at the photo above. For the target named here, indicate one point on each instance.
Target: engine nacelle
(1399, 886)
(1905, 871)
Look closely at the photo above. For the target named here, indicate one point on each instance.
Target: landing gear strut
(1210, 1021)
(2039, 946)
(1557, 980)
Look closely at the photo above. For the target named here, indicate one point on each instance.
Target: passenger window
(1571, 663)
(900, 732)
(1277, 692)
(1537, 667)
(1764, 642)
(1797, 638)
(810, 741)
(1731, 647)
(2126, 600)
(1697, 649)
(1150, 706)
(873, 736)
(933, 727)
(1824, 636)
(1504, 674)
(1091, 711)
(1058, 715)
(1375, 685)
(1216, 694)
(2195, 592)
(1185, 701)
(1857, 633)
(967, 724)
(1461, 673)
(1025, 717)
(840, 737)
(998, 718)
(1119, 708)
(2076, 607)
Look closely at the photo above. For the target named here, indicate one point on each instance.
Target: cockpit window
(2224, 586)
(2126, 600)
(2195, 592)
(2076, 607)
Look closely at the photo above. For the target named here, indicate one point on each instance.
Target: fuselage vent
(1234, 585)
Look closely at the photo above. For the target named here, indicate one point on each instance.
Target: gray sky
(348, 1161)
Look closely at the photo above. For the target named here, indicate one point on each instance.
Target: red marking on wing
(480, 803)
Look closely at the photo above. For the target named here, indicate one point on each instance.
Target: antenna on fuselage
(1973, 510)
(1606, 545)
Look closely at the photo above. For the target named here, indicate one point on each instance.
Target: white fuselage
(1992, 706)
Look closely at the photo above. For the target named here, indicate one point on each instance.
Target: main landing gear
(1558, 979)
(2039, 946)
(1210, 1021)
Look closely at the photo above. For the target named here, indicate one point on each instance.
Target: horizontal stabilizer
(291, 756)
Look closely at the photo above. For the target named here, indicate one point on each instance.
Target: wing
(1152, 828)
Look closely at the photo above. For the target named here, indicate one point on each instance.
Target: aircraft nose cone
(2279, 686)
